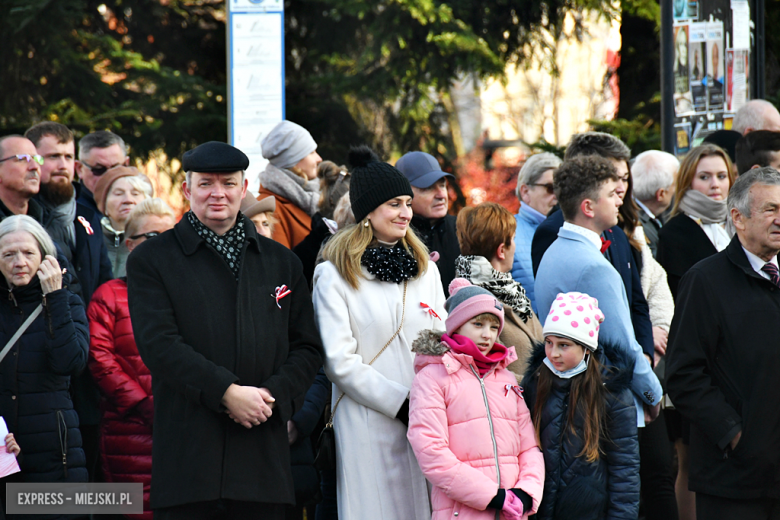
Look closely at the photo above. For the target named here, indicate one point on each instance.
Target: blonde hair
(347, 246)
(271, 220)
(155, 206)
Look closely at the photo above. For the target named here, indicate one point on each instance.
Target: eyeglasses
(150, 234)
(549, 187)
(26, 157)
(99, 169)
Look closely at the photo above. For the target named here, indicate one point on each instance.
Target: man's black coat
(199, 331)
(443, 239)
(722, 369)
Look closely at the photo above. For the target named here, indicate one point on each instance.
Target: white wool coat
(655, 286)
(378, 474)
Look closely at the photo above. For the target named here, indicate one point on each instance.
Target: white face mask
(568, 374)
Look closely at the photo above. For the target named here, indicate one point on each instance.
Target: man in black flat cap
(224, 321)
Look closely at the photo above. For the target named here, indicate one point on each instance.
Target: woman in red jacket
(116, 366)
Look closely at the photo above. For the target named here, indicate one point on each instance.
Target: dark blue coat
(85, 197)
(573, 487)
(305, 475)
(620, 256)
(34, 379)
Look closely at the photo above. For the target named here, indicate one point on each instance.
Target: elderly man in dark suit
(654, 174)
(223, 319)
(723, 360)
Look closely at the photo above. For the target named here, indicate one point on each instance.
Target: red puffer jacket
(126, 385)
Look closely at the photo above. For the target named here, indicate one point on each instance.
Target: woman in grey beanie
(291, 177)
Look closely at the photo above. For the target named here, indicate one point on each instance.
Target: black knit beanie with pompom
(373, 182)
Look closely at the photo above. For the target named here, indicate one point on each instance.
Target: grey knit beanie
(287, 144)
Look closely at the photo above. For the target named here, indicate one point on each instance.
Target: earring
(365, 224)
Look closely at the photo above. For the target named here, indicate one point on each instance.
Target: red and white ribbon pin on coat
(516, 389)
(427, 308)
(86, 225)
(281, 292)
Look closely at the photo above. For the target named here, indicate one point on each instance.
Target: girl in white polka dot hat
(578, 391)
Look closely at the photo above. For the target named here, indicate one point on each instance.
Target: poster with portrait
(697, 38)
(683, 99)
(715, 66)
(737, 79)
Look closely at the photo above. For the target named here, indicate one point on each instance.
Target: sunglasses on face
(99, 169)
(150, 234)
(548, 187)
(25, 157)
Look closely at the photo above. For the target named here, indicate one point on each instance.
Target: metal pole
(760, 54)
(667, 76)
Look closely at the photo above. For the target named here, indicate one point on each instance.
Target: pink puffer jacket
(452, 436)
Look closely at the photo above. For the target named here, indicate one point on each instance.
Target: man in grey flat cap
(225, 323)
(430, 205)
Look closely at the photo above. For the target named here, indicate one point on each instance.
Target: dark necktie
(774, 275)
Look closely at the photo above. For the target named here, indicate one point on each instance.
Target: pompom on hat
(575, 316)
(373, 182)
(467, 301)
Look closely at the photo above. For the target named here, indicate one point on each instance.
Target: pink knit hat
(575, 316)
(467, 301)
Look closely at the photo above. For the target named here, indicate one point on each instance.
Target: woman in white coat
(376, 288)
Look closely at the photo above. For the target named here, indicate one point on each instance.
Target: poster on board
(715, 66)
(682, 139)
(737, 79)
(683, 100)
(686, 9)
(697, 38)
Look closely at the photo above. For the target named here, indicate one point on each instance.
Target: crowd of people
(341, 346)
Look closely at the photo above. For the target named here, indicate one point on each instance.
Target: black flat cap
(214, 157)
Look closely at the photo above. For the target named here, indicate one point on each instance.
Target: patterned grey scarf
(229, 245)
(478, 271)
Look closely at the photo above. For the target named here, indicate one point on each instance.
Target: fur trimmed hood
(617, 376)
(430, 349)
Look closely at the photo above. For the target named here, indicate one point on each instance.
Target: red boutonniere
(281, 292)
(427, 308)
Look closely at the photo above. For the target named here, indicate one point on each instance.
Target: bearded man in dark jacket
(723, 360)
(223, 319)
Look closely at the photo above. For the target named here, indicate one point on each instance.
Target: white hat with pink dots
(575, 316)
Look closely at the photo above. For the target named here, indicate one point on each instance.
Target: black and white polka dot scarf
(229, 245)
(389, 264)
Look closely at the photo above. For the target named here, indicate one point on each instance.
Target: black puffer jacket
(34, 380)
(574, 488)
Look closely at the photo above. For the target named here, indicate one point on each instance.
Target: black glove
(403, 413)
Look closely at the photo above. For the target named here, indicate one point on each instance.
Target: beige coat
(522, 336)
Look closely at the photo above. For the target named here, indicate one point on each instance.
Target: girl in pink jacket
(469, 425)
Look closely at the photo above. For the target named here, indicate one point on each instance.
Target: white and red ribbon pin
(516, 389)
(86, 225)
(430, 311)
(281, 292)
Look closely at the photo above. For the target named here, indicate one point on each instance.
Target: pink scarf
(484, 362)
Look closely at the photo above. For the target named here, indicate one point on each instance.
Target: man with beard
(75, 228)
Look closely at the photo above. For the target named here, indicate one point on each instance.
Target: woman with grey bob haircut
(35, 374)
(28, 224)
(535, 192)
